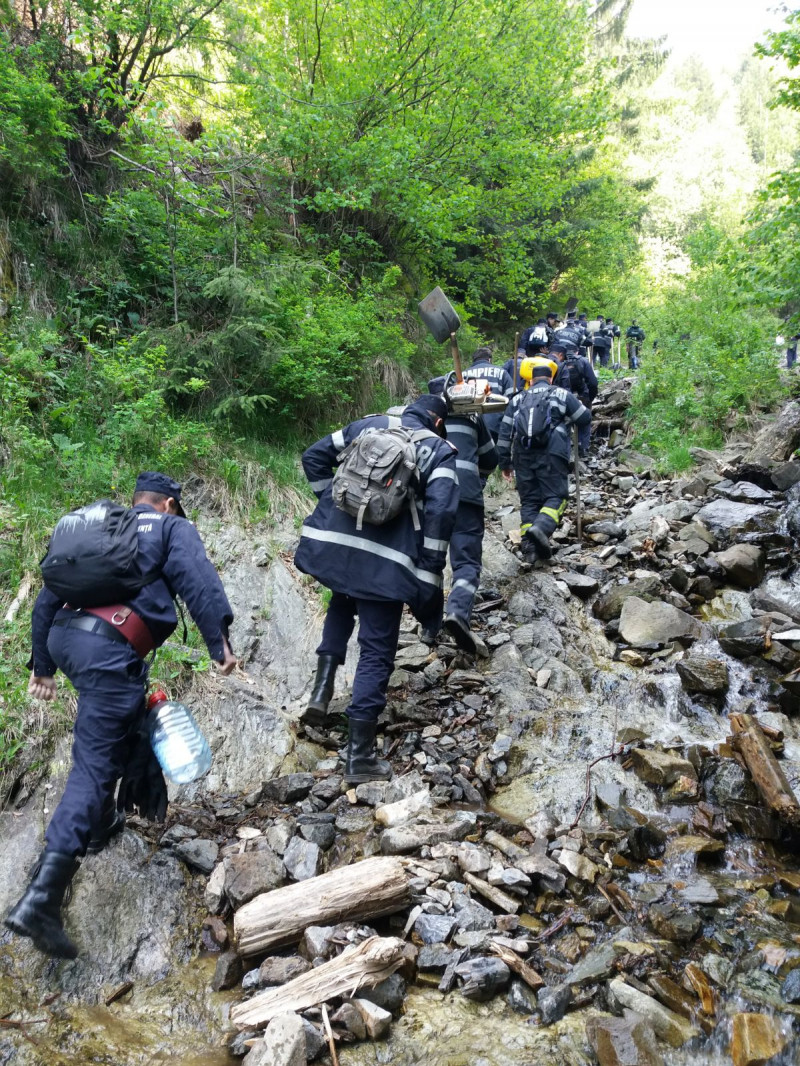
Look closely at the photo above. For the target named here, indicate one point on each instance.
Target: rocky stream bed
(589, 871)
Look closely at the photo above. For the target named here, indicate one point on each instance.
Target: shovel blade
(439, 315)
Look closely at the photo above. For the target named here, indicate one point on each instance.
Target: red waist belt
(129, 624)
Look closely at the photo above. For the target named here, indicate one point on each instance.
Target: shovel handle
(516, 358)
(456, 358)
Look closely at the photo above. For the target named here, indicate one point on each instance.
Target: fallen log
(494, 895)
(519, 966)
(22, 595)
(361, 967)
(365, 889)
(750, 741)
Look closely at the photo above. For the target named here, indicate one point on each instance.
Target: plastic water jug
(176, 739)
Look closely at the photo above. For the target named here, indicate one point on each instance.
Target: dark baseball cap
(152, 481)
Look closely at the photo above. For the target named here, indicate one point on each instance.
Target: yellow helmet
(527, 367)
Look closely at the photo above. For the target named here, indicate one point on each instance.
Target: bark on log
(365, 889)
(362, 967)
(769, 778)
(494, 895)
(19, 599)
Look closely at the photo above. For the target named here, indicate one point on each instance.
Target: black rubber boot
(316, 711)
(542, 541)
(38, 913)
(361, 762)
(458, 628)
(112, 822)
(429, 635)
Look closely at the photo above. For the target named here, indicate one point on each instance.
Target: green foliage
(715, 363)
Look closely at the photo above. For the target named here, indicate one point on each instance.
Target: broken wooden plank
(749, 739)
(365, 889)
(494, 895)
(360, 967)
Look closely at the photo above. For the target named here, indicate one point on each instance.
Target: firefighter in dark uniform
(373, 571)
(477, 458)
(583, 383)
(634, 339)
(105, 662)
(542, 471)
(499, 381)
(535, 340)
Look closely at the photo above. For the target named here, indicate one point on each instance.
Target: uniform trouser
(378, 633)
(110, 680)
(791, 358)
(585, 432)
(543, 487)
(603, 355)
(466, 550)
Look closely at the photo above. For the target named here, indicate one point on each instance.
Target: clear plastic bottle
(176, 739)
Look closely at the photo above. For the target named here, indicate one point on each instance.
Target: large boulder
(779, 440)
(701, 674)
(744, 564)
(643, 624)
(609, 605)
(727, 519)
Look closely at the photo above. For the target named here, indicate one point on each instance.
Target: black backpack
(533, 421)
(92, 559)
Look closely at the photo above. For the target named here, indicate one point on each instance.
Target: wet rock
(660, 767)
(701, 674)
(742, 491)
(284, 1044)
(349, 1017)
(726, 782)
(674, 923)
(372, 793)
(214, 934)
(250, 874)
(228, 971)
(377, 1021)
(279, 834)
(406, 838)
(483, 978)
(786, 475)
(316, 1041)
(434, 928)
(580, 585)
(610, 604)
(317, 941)
(646, 842)
(302, 859)
(700, 893)
(579, 866)
(215, 889)
(755, 1039)
(745, 638)
(434, 958)
(642, 624)
(323, 834)
(413, 657)
(553, 1003)
(474, 917)
(790, 989)
(277, 970)
(626, 1041)
(199, 854)
(728, 519)
(391, 814)
(596, 965)
(288, 789)
(521, 998)
(689, 844)
(389, 994)
(744, 564)
(668, 1025)
(777, 441)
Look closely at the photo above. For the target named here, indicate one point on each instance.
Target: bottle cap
(156, 697)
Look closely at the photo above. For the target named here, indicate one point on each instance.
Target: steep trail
(502, 745)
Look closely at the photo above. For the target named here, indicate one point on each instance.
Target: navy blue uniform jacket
(566, 410)
(500, 383)
(172, 545)
(392, 562)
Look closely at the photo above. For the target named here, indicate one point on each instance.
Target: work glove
(143, 789)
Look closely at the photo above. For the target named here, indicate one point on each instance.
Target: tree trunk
(770, 780)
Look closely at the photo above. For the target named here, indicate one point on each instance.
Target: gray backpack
(377, 475)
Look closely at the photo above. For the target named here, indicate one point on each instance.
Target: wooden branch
(365, 889)
(19, 599)
(494, 895)
(362, 967)
(519, 966)
(769, 778)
